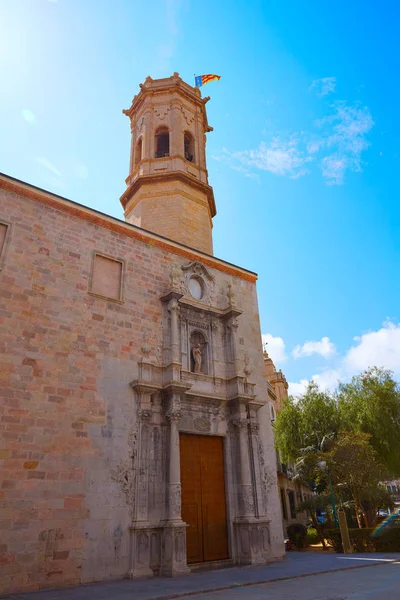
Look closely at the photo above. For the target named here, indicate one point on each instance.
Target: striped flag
(203, 79)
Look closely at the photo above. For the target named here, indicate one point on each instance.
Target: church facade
(136, 434)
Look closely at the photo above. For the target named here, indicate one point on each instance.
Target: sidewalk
(296, 564)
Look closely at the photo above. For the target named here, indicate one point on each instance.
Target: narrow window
(4, 230)
(283, 503)
(106, 278)
(292, 504)
(138, 151)
(162, 142)
(189, 146)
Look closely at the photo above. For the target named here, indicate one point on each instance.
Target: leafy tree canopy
(370, 403)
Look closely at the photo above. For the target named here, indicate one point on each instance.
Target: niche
(198, 353)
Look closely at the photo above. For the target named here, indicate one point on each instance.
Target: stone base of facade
(173, 550)
(158, 550)
(144, 546)
(253, 546)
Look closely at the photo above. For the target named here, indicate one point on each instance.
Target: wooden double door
(203, 497)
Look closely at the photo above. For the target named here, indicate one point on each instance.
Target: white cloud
(28, 115)
(376, 348)
(324, 347)
(275, 347)
(324, 86)
(379, 348)
(297, 389)
(47, 165)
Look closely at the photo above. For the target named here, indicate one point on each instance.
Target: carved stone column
(246, 498)
(173, 309)
(251, 531)
(141, 530)
(173, 559)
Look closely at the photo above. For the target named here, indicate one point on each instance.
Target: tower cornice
(170, 176)
(152, 87)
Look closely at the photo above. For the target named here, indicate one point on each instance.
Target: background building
(292, 493)
(136, 432)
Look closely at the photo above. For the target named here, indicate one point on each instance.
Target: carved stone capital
(174, 414)
(145, 414)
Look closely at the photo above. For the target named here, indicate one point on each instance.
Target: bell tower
(167, 187)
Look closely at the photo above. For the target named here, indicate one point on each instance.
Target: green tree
(354, 464)
(370, 403)
(304, 425)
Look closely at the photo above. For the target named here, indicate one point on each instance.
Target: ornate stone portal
(174, 397)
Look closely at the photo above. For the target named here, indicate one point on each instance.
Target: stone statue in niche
(198, 353)
(197, 358)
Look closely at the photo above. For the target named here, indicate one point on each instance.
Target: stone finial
(231, 295)
(145, 348)
(175, 275)
(247, 368)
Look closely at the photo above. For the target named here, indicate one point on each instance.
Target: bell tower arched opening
(162, 142)
(188, 142)
(138, 151)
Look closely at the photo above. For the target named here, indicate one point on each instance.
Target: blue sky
(304, 156)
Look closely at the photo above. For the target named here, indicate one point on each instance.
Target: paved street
(303, 576)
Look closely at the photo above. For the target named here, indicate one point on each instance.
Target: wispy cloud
(47, 165)
(324, 86)
(345, 133)
(28, 115)
(281, 157)
(334, 144)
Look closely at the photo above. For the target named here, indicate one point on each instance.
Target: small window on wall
(4, 232)
(189, 146)
(162, 142)
(106, 280)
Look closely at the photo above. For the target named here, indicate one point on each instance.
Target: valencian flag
(203, 79)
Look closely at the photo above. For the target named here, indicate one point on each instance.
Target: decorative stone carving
(175, 499)
(268, 477)
(125, 476)
(248, 498)
(189, 118)
(174, 414)
(202, 424)
(161, 113)
(145, 415)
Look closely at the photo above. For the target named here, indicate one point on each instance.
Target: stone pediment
(197, 268)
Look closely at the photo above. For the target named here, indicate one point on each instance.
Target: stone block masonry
(67, 358)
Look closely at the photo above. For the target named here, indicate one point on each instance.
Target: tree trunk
(358, 510)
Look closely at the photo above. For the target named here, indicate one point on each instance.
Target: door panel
(203, 497)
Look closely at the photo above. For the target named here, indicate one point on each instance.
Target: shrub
(362, 540)
(297, 534)
(312, 537)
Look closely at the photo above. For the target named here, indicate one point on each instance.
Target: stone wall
(68, 411)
